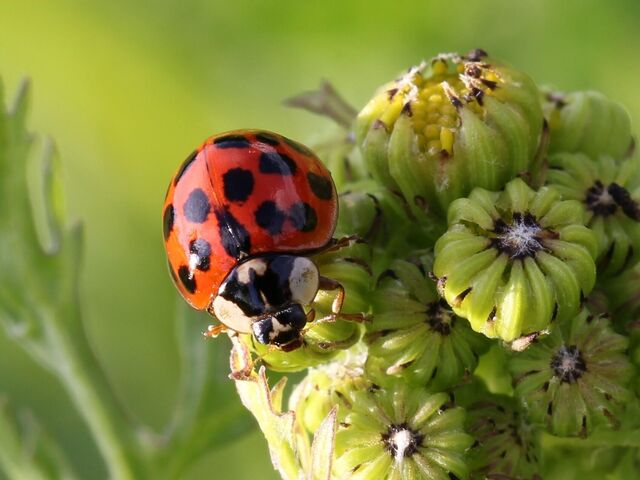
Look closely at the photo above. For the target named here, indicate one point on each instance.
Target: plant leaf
(266, 406)
(322, 447)
(207, 412)
(26, 451)
(326, 102)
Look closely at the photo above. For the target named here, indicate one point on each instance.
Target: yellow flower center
(451, 83)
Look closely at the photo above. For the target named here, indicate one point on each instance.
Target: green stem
(89, 389)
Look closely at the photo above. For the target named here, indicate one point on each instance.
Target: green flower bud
(360, 215)
(588, 122)
(576, 378)
(322, 339)
(513, 261)
(577, 461)
(610, 195)
(449, 125)
(622, 294)
(505, 442)
(398, 433)
(326, 386)
(506, 446)
(414, 334)
(385, 221)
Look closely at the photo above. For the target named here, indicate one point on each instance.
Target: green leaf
(207, 412)
(39, 301)
(323, 446)
(327, 102)
(26, 451)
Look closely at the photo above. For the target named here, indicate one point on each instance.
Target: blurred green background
(128, 88)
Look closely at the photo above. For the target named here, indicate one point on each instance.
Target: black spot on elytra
(303, 217)
(298, 147)
(197, 207)
(202, 250)
(238, 184)
(187, 279)
(277, 163)
(167, 221)
(322, 187)
(269, 217)
(235, 238)
(267, 138)
(231, 141)
(185, 165)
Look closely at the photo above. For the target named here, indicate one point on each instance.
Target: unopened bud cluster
(497, 274)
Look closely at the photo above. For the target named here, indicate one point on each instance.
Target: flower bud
(622, 293)
(610, 194)
(587, 122)
(384, 219)
(397, 432)
(576, 378)
(513, 261)
(449, 125)
(326, 386)
(414, 334)
(505, 442)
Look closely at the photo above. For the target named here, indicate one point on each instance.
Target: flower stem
(89, 390)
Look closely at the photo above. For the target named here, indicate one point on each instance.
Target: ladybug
(241, 217)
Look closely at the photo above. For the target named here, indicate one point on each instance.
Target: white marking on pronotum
(228, 313)
(304, 280)
(259, 265)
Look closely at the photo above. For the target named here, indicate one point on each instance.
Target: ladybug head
(282, 328)
(266, 295)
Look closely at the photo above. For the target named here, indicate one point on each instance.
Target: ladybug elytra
(241, 217)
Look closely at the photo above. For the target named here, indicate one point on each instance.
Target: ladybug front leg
(214, 330)
(329, 285)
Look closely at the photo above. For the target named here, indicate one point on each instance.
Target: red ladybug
(241, 216)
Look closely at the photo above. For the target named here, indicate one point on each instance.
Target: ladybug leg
(214, 330)
(311, 315)
(339, 243)
(329, 285)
